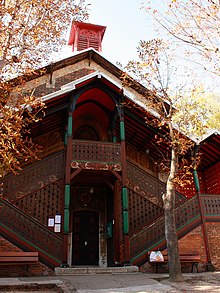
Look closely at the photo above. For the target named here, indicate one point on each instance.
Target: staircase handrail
(146, 198)
(30, 193)
(51, 246)
(179, 197)
(154, 233)
(142, 211)
(11, 183)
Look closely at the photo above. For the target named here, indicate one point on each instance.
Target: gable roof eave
(129, 94)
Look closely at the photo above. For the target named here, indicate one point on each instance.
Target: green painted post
(67, 196)
(68, 133)
(124, 189)
(125, 210)
(70, 125)
(66, 221)
(122, 131)
(124, 198)
(196, 180)
(125, 222)
(65, 138)
(66, 208)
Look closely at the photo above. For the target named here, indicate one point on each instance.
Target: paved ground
(114, 283)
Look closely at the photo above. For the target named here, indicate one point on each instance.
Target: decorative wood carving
(147, 185)
(50, 142)
(82, 198)
(86, 132)
(34, 177)
(96, 166)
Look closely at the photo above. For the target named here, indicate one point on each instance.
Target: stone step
(95, 270)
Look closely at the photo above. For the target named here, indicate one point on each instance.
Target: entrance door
(85, 238)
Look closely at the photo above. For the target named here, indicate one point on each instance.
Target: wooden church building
(95, 196)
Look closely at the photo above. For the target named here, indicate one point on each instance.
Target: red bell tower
(86, 35)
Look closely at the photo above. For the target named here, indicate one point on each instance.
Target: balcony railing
(211, 204)
(96, 151)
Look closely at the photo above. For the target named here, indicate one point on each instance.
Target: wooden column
(116, 227)
(124, 192)
(66, 215)
(209, 264)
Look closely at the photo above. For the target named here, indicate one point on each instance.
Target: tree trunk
(175, 273)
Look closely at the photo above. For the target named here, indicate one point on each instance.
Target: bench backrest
(18, 253)
(191, 256)
(18, 256)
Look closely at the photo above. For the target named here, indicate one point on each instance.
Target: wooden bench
(18, 258)
(193, 258)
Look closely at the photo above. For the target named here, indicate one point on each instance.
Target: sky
(126, 24)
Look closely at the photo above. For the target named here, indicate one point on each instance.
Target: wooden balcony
(96, 155)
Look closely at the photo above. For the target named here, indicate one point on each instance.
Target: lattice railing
(144, 239)
(155, 232)
(211, 204)
(93, 151)
(33, 177)
(187, 212)
(148, 186)
(30, 230)
(43, 203)
(141, 211)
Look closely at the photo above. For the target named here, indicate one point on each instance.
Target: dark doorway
(85, 238)
(86, 132)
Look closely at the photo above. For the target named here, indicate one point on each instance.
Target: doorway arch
(86, 132)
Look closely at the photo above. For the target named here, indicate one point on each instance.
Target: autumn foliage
(193, 24)
(181, 120)
(31, 31)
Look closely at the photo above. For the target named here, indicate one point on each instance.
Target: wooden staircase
(152, 236)
(25, 203)
(23, 221)
(30, 235)
(147, 226)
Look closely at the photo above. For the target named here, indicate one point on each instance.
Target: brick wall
(37, 269)
(213, 230)
(194, 242)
